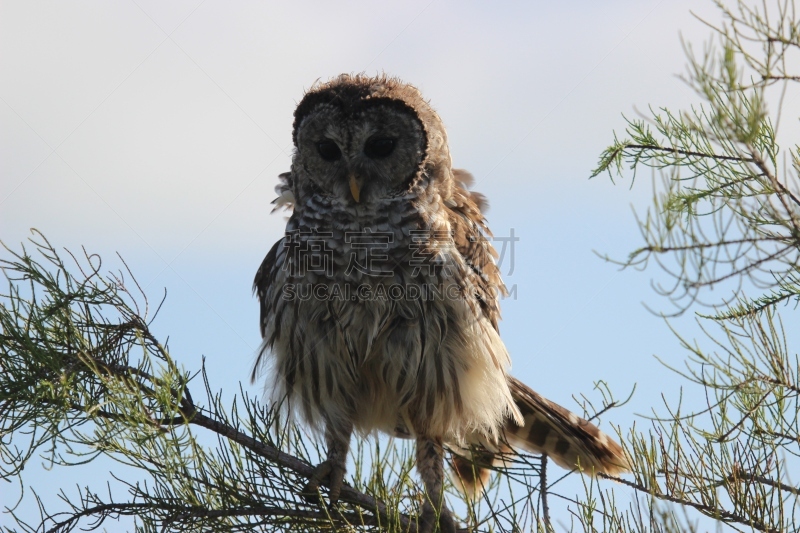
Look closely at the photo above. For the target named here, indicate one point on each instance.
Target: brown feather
(471, 474)
(569, 440)
(471, 235)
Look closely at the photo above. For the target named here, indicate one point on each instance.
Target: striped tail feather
(569, 440)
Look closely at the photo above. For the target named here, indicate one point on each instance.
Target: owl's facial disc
(366, 155)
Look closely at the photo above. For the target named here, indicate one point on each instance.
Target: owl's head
(363, 139)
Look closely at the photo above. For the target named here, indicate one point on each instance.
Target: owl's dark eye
(379, 148)
(328, 150)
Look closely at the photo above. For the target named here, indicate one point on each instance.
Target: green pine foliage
(725, 217)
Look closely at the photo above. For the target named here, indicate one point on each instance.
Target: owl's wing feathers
(569, 440)
(471, 235)
(265, 288)
(465, 180)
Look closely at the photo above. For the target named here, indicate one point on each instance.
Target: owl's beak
(355, 188)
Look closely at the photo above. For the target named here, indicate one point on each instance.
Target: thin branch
(764, 481)
(181, 513)
(687, 152)
(713, 512)
(543, 493)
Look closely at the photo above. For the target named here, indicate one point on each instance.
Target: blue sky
(157, 130)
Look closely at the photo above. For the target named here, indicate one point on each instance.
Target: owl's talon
(335, 481)
(326, 473)
(310, 492)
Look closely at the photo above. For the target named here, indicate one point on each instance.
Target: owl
(380, 305)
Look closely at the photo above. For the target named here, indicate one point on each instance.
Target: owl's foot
(331, 471)
(428, 520)
(328, 471)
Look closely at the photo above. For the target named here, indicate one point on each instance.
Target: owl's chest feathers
(372, 318)
(371, 277)
(395, 241)
(325, 213)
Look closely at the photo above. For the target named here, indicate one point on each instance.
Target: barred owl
(379, 306)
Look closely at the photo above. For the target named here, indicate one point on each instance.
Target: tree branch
(285, 460)
(687, 152)
(707, 510)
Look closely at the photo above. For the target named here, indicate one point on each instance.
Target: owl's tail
(569, 440)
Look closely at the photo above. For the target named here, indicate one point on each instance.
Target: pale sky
(157, 130)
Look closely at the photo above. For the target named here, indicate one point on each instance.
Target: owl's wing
(471, 235)
(263, 284)
(265, 288)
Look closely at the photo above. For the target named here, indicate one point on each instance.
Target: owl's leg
(430, 456)
(333, 468)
